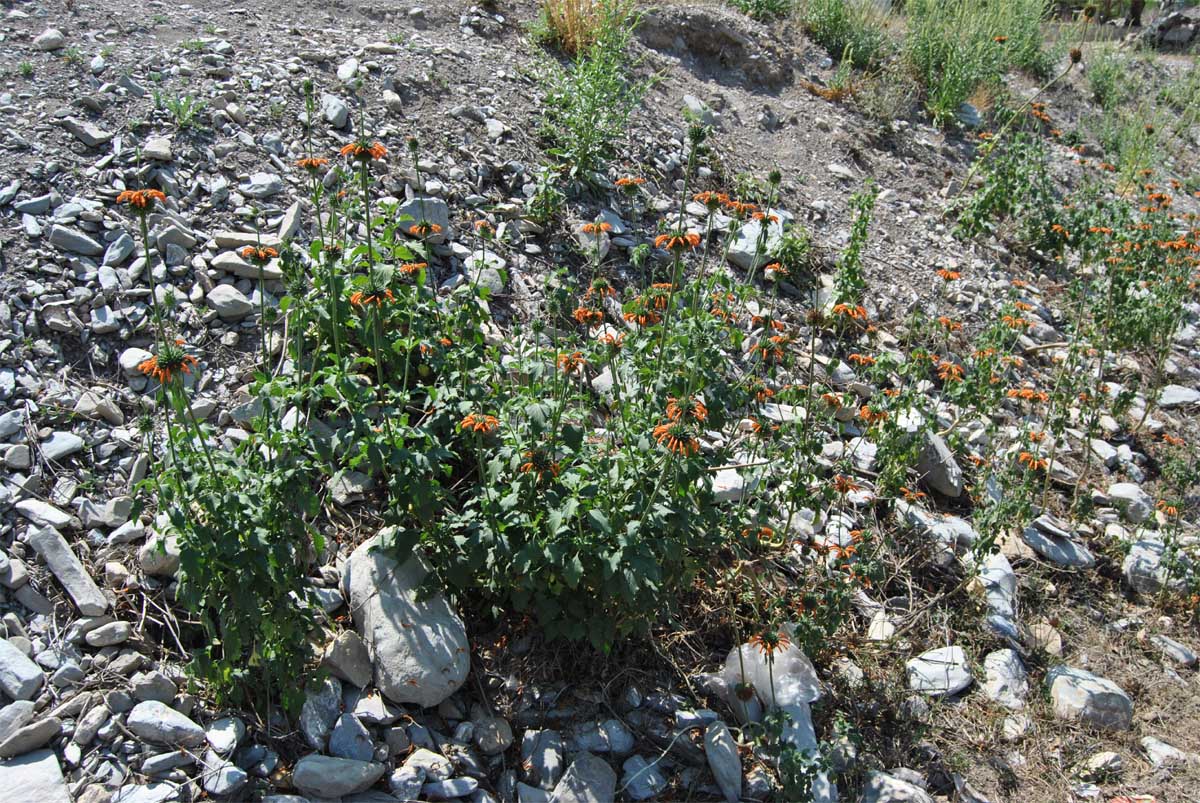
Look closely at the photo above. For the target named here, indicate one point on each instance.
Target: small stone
(37, 776)
(49, 39)
(109, 634)
(158, 149)
(1007, 681)
(642, 780)
(331, 777)
(493, 735)
(350, 739)
(450, 788)
(1134, 503)
(29, 737)
(939, 672)
(1177, 652)
(1162, 754)
(229, 302)
(724, 761)
(225, 734)
(347, 658)
(61, 445)
(158, 723)
(881, 788)
(74, 241)
(588, 780)
(320, 711)
(20, 678)
(1080, 696)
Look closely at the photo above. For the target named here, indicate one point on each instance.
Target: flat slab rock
(33, 778)
(881, 788)
(62, 562)
(420, 645)
(330, 777)
(1051, 539)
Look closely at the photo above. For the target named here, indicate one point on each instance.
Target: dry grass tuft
(574, 25)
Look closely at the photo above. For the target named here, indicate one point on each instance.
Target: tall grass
(955, 47)
(572, 25)
(852, 29)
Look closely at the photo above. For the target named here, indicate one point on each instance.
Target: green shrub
(853, 29)
(1108, 76)
(764, 9)
(588, 102)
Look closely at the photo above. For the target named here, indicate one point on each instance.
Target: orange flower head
(613, 341)
(844, 485)
(596, 227)
(539, 463)
(141, 200)
(412, 268)
(1166, 508)
(588, 317)
(259, 255)
(313, 164)
(770, 641)
(364, 151)
(677, 437)
(949, 371)
(861, 359)
(949, 275)
(599, 287)
(424, 229)
(677, 241)
(485, 229)
(570, 363)
(171, 363)
(479, 424)
(629, 183)
(376, 297)
(688, 407)
(712, 200)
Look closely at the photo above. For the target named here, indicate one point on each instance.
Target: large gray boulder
(419, 646)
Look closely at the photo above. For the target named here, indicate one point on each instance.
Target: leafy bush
(764, 9)
(1107, 76)
(589, 101)
(855, 30)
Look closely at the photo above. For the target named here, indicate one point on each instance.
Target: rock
(335, 111)
(327, 776)
(20, 678)
(158, 723)
(29, 737)
(493, 735)
(320, 711)
(61, 445)
(724, 761)
(62, 562)
(87, 133)
(791, 679)
(420, 645)
(350, 739)
(1007, 682)
(222, 778)
(1102, 764)
(347, 71)
(1174, 396)
(1144, 569)
(153, 686)
(225, 734)
(34, 778)
(433, 765)
(406, 782)
(229, 302)
(939, 672)
(347, 658)
(588, 780)
(1162, 754)
(542, 754)
(609, 736)
(1049, 538)
(1177, 652)
(450, 788)
(109, 634)
(158, 149)
(939, 470)
(642, 780)
(1134, 503)
(1045, 637)
(49, 39)
(744, 250)
(159, 557)
(262, 185)
(432, 210)
(44, 514)
(881, 788)
(95, 405)
(1080, 696)
(76, 242)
